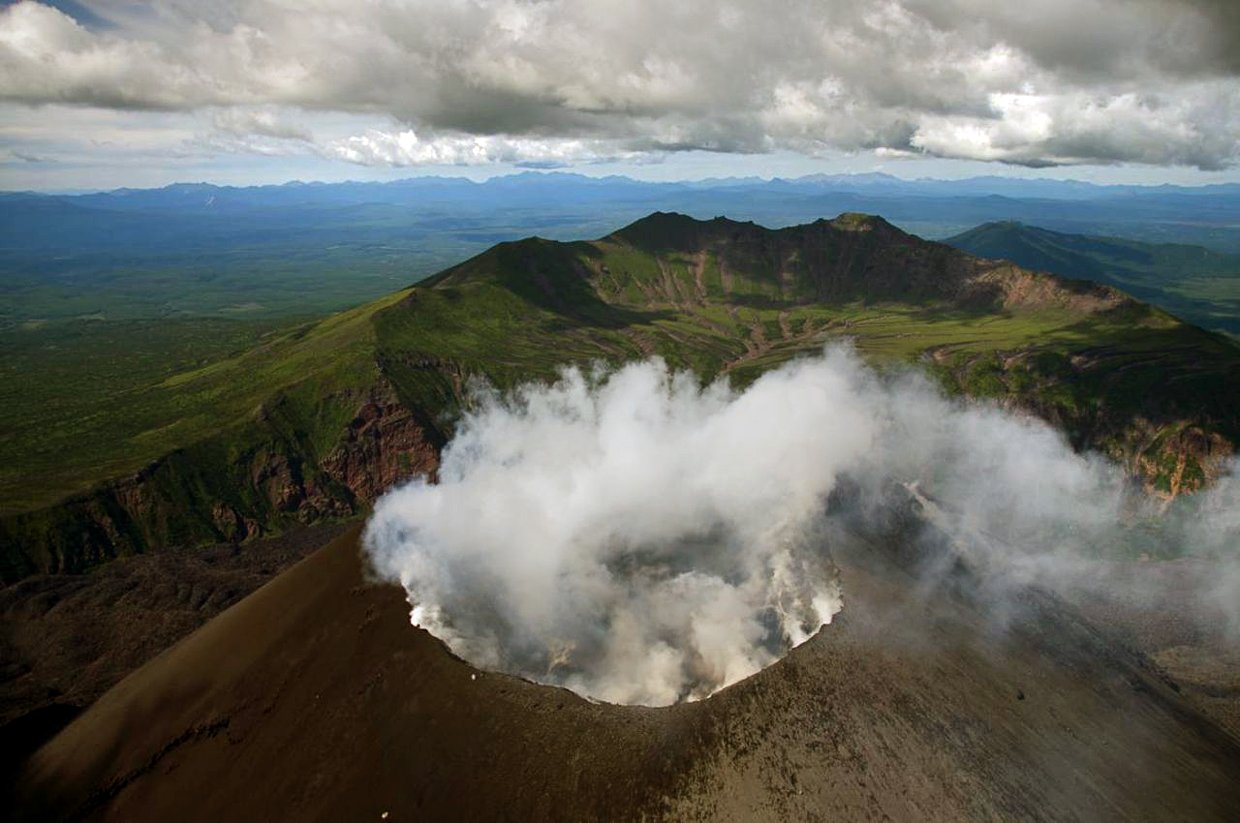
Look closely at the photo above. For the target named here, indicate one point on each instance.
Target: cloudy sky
(97, 93)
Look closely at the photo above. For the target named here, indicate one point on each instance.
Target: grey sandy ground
(313, 699)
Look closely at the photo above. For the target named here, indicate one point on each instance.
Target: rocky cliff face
(188, 499)
(1175, 460)
(1158, 433)
(383, 445)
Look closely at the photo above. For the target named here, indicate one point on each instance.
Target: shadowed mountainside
(65, 639)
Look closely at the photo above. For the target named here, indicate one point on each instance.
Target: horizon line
(1067, 181)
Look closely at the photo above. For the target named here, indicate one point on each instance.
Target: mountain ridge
(1199, 284)
(313, 423)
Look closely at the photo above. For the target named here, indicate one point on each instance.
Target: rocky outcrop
(209, 493)
(1024, 289)
(288, 489)
(1159, 438)
(383, 445)
(234, 526)
(1175, 460)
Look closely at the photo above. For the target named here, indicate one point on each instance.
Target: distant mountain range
(1204, 214)
(394, 191)
(302, 248)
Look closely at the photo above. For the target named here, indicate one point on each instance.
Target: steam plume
(639, 538)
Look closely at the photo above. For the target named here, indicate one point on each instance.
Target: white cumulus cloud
(1094, 81)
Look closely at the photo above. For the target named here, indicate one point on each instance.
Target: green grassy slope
(61, 386)
(294, 428)
(126, 410)
(1198, 284)
(222, 451)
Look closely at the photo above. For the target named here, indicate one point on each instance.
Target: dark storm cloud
(1102, 39)
(1224, 37)
(1059, 81)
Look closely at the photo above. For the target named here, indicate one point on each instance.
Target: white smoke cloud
(641, 539)
(1212, 526)
(648, 533)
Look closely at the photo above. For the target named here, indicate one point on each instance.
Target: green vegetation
(72, 395)
(247, 284)
(216, 423)
(128, 409)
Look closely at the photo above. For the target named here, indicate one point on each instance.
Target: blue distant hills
(198, 249)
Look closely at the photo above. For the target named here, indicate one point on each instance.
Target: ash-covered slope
(314, 699)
